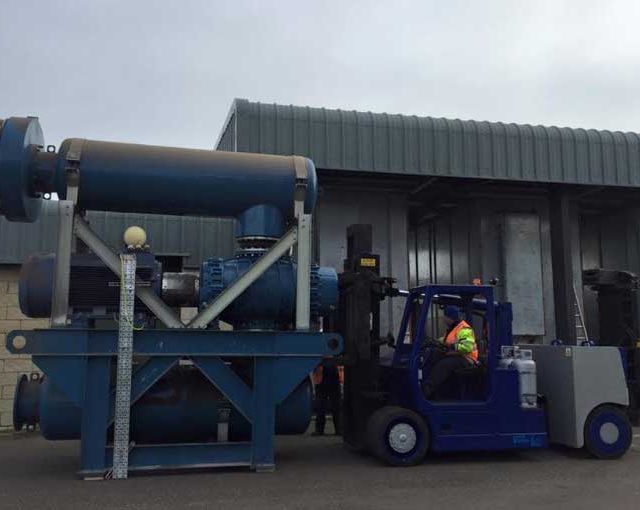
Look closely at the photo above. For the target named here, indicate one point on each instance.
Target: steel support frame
(79, 362)
(562, 262)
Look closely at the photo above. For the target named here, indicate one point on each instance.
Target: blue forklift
(489, 406)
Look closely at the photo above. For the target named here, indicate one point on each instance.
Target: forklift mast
(361, 291)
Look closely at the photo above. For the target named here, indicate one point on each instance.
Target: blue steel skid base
(79, 362)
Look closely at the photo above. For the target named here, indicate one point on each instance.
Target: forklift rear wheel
(607, 432)
(398, 436)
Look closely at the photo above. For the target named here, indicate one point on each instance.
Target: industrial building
(450, 201)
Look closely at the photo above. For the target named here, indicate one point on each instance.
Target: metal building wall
(387, 213)
(197, 237)
(466, 243)
(411, 145)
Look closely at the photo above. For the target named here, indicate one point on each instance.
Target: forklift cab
(416, 349)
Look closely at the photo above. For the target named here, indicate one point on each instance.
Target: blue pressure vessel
(143, 178)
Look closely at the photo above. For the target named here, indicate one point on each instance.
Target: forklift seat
(471, 381)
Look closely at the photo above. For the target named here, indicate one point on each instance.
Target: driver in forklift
(460, 351)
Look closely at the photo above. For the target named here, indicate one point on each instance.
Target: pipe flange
(20, 139)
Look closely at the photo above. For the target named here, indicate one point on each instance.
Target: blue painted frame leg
(264, 414)
(94, 417)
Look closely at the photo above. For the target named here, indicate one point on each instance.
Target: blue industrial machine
(515, 397)
(156, 392)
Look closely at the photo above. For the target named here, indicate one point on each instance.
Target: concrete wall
(12, 365)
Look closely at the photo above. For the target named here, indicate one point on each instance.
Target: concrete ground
(321, 473)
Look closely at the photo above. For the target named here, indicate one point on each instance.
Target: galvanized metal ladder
(581, 329)
(124, 369)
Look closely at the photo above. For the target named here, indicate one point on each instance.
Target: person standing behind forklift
(461, 351)
(327, 381)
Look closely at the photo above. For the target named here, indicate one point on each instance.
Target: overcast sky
(165, 72)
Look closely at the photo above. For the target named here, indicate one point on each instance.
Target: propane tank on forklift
(522, 360)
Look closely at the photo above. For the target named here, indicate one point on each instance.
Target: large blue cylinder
(167, 180)
(143, 178)
(181, 407)
(269, 303)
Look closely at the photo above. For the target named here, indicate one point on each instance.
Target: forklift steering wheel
(430, 343)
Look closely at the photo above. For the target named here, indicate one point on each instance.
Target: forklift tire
(398, 436)
(607, 432)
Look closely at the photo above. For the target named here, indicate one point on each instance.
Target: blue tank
(187, 406)
(143, 178)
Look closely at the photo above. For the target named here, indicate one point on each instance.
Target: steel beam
(60, 303)
(303, 270)
(167, 342)
(165, 314)
(562, 265)
(257, 269)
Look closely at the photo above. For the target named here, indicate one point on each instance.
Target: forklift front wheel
(607, 432)
(398, 436)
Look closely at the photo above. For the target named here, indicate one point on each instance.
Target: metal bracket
(60, 302)
(303, 268)
(302, 177)
(72, 169)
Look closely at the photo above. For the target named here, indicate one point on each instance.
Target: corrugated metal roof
(198, 237)
(401, 144)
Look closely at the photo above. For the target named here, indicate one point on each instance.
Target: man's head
(451, 315)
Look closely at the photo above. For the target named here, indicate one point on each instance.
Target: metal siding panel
(527, 154)
(334, 139)
(523, 272)
(172, 234)
(621, 159)
(456, 147)
(412, 144)
(369, 142)
(338, 209)
(284, 130)
(423, 253)
(498, 142)
(485, 150)
(442, 248)
(460, 249)
(633, 149)
(582, 156)
(350, 150)
(594, 174)
(540, 154)
(427, 148)
(366, 144)
(470, 144)
(568, 155)
(318, 142)
(381, 144)
(267, 128)
(555, 154)
(441, 147)
(609, 170)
